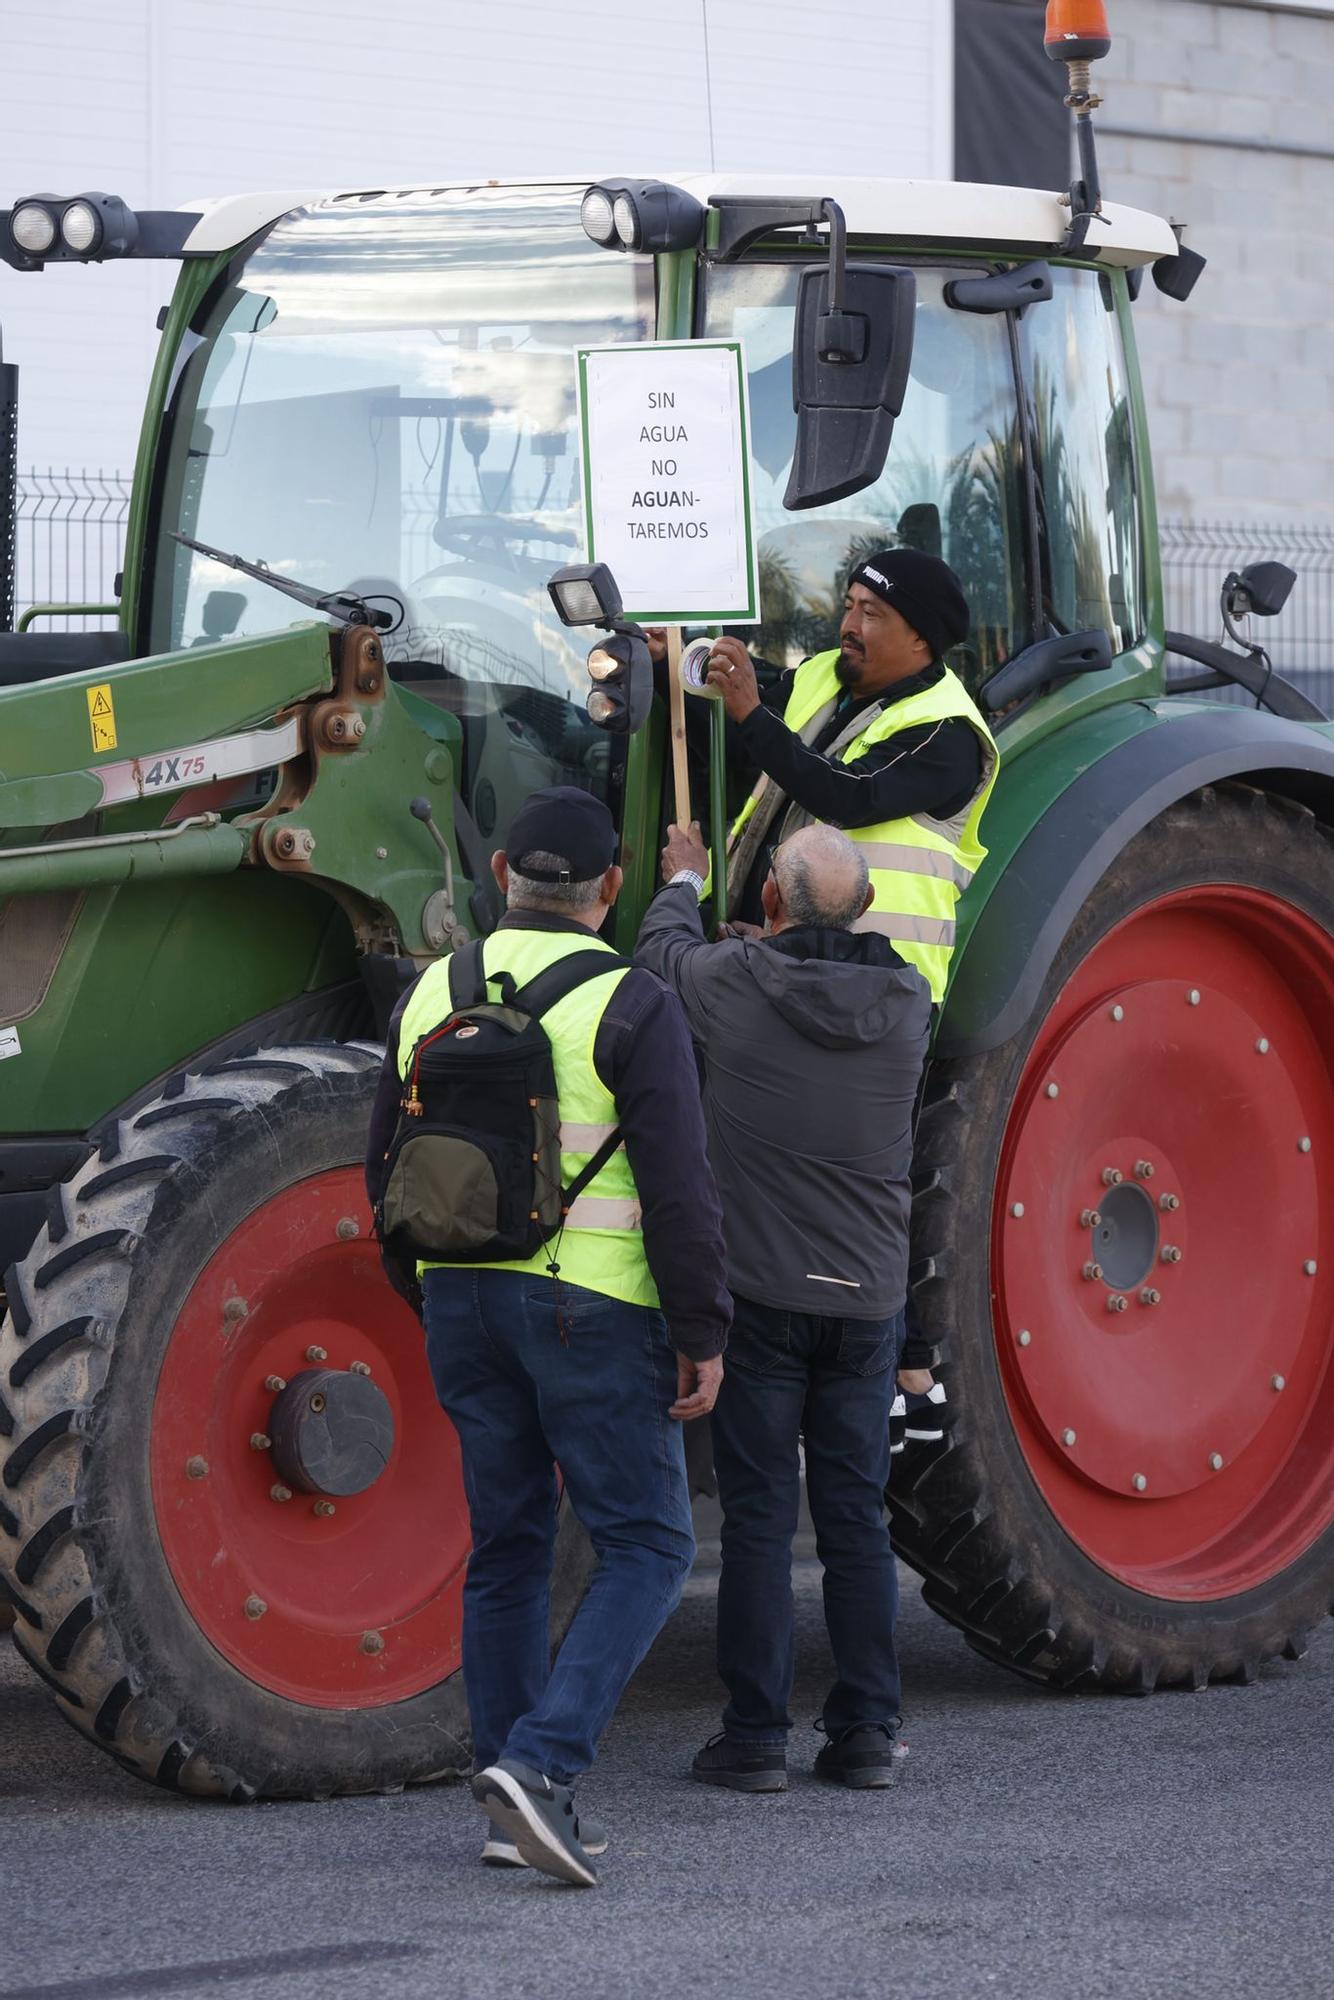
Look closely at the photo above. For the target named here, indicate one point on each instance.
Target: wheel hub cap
(332, 1432)
(1125, 1238)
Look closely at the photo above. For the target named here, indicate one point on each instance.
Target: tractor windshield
(381, 398)
(954, 482)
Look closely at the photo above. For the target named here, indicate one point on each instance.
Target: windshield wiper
(335, 603)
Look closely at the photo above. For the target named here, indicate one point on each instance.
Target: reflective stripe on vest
(915, 861)
(918, 866)
(905, 929)
(600, 1246)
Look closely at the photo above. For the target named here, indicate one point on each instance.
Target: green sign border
(749, 614)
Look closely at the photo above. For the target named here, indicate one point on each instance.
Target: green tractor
(232, 1529)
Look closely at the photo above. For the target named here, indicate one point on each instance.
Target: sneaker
(862, 1758)
(925, 1416)
(741, 1767)
(537, 1815)
(499, 1851)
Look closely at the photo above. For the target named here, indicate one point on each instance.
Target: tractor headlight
(622, 676)
(33, 228)
(642, 215)
(596, 215)
(81, 228)
(602, 706)
(585, 594)
(63, 228)
(626, 217)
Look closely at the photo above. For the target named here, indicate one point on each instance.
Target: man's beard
(849, 668)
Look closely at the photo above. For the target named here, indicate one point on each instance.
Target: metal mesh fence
(1197, 555)
(70, 536)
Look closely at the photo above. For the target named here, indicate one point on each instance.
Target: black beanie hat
(923, 590)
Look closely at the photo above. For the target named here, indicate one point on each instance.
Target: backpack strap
(556, 982)
(590, 1170)
(545, 990)
(467, 976)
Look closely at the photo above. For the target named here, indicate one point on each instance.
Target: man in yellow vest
(880, 738)
(586, 1356)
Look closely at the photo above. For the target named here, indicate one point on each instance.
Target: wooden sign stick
(680, 768)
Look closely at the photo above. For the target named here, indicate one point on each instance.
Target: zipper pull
(412, 1103)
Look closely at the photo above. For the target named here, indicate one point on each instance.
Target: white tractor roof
(936, 212)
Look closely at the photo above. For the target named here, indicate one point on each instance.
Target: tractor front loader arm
(154, 748)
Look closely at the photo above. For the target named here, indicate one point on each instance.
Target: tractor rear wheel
(1117, 1234)
(232, 1522)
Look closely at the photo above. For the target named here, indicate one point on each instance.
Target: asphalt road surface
(1043, 1845)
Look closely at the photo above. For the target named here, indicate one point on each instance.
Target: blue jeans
(830, 1380)
(523, 1402)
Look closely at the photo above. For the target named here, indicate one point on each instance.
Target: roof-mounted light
(33, 227)
(596, 214)
(87, 228)
(1076, 34)
(1076, 31)
(81, 228)
(641, 215)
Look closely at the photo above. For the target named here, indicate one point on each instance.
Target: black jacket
(813, 1043)
(642, 1054)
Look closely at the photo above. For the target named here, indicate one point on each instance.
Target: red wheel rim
(349, 1609)
(1186, 1443)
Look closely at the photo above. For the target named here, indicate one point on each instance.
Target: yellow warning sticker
(102, 718)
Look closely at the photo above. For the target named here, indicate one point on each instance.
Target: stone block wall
(1220, 115)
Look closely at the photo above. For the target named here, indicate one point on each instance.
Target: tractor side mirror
(1046, 664)
(851, 350)
(1262, 587)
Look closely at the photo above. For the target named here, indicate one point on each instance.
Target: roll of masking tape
(695, 668)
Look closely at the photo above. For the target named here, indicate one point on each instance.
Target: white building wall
(161, 101)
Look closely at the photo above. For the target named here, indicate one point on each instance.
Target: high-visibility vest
(600, 1246)
(919, 866)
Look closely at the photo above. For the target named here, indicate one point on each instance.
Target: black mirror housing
(1262, 587)
(1046, 664)
(850, 364)
(1176, 277)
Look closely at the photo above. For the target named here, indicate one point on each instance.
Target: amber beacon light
(1076, 31)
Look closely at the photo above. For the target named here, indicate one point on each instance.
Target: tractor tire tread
(54, 1360)
(985, 1578)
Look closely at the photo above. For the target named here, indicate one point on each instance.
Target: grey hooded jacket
(812, 1043)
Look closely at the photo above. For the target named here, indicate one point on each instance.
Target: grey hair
(526, 893)
(822, 878)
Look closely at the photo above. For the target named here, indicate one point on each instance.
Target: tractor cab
(375, 393)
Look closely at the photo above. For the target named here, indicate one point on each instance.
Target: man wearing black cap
(586, 1356)
(880, 738)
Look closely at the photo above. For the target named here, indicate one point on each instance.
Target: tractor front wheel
(232, 1521)
(1119, 1229)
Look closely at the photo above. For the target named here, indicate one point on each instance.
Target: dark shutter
(1010, 125)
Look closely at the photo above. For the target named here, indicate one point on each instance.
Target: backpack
(473, 1171)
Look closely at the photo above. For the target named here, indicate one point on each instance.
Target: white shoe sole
(498, 1853)
(509, 1808)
